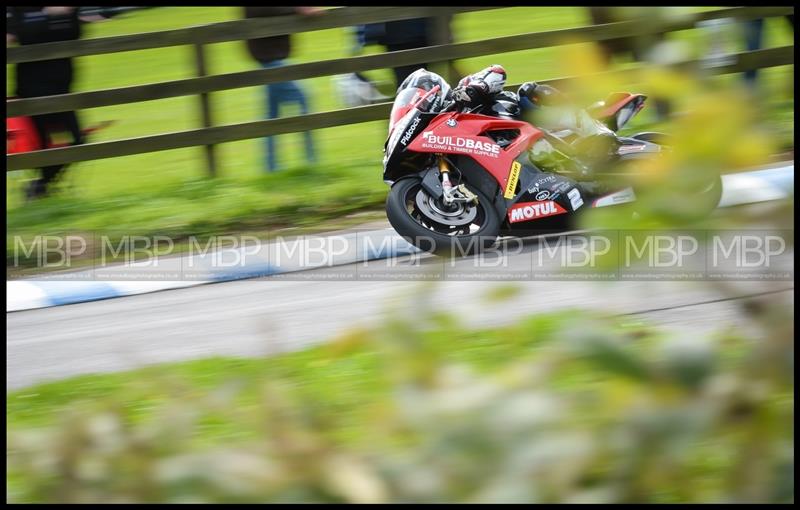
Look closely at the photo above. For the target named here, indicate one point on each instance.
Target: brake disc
(456, 215)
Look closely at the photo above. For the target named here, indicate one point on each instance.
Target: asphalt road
(268, 316)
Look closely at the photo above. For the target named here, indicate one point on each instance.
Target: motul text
(533, 210)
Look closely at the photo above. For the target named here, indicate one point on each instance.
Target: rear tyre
(710, 196)
(430, 225)
(654, 137)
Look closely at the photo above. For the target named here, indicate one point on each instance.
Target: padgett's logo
(527, 211)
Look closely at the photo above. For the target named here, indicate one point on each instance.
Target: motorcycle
(460, 179)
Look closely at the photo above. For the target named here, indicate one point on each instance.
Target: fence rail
(209, 135)
(206, 84)
(226, 31)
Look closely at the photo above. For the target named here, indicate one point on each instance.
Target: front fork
(444, 171)
(451, 194)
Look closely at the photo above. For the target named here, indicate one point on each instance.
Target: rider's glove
(469, 94)
(460, 95)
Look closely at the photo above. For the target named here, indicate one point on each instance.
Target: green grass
(197, 205)
(347, 378)
(167, 192)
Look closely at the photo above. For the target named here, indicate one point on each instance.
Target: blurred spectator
(400, 35)
(34, 25)
(405, 35)
(611, 47)
(754, 30)
(271, 52)
(754, 33)
(638, 47)
(366, 35)
(356, 89)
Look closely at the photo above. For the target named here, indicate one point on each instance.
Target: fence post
(441, 33)
(205, 106)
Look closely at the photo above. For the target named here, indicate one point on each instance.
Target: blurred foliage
(713, 129)
(567, 407)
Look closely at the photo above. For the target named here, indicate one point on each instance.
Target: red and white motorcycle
(461, 179)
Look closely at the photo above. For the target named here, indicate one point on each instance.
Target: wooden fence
(202, 85)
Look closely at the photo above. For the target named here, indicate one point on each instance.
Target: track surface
(262, 317)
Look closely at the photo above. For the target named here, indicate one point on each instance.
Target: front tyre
(430, 225)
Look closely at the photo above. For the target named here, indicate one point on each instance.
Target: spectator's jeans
(754, 31)
(277, 94)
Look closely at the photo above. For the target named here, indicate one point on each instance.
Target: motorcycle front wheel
(446, 230)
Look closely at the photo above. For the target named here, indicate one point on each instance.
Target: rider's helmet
(540, 94)
(414, 87)
(425, 80)
(419, 82)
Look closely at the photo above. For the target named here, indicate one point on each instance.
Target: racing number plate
(513, 177)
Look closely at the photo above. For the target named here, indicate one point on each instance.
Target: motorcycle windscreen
(627, 112)
(404, 101)
(413, 88)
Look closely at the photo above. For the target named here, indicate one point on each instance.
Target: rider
(483, 92)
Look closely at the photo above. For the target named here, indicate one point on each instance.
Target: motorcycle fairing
(467, 128)
(397, 161)
(538, 186)
(619, 108)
